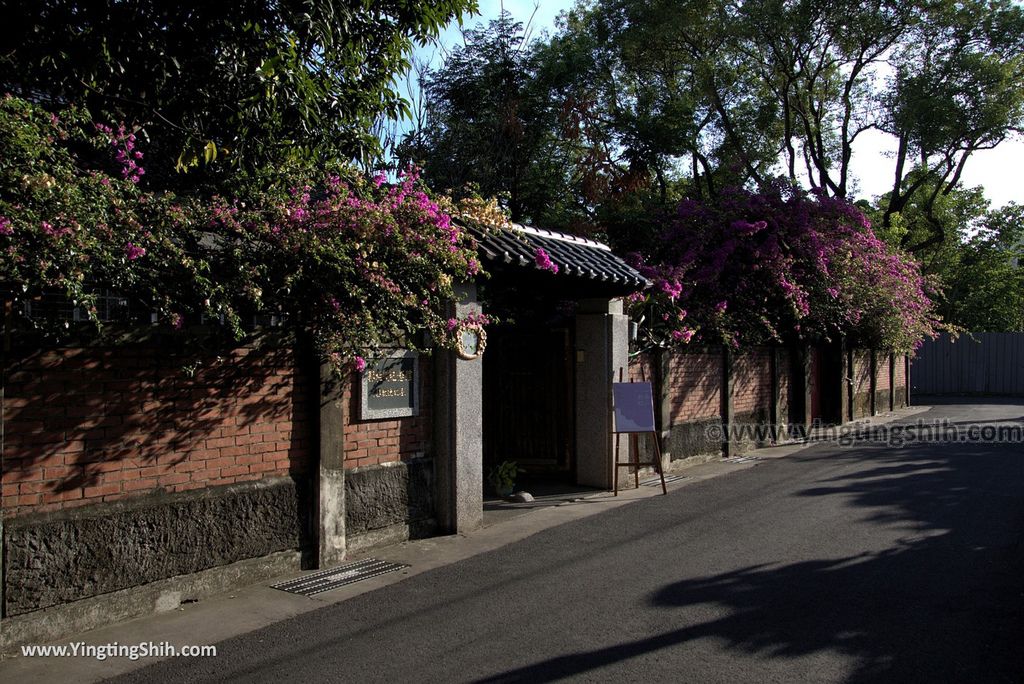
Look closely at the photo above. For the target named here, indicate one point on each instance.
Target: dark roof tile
(575, 257)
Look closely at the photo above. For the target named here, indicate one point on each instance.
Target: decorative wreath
(460, 341)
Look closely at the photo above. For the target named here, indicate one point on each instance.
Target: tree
(490, 123)
(976, 262)
(985, 285)
(728, 93)
(259, 84)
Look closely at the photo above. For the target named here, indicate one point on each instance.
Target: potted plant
(503, 478)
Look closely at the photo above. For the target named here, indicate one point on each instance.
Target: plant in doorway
(503, 478)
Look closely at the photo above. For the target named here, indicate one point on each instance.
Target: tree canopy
(255, 85)
(661, 99)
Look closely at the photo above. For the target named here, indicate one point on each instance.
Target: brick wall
(695, 385)
(641, 368)
(372, 442)
(900, 380)
(96, 425)
(752, 381)
(882, 374)
(900, 376)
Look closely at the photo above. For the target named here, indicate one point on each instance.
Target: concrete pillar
(728, 408)
(602, 351)
(458, 430)
(331, 474)
(806, 354)
(906, 379)
(662, 365)
(775, 406)
(873, 384)
(892, 382)
(846, 383)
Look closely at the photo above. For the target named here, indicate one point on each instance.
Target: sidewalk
(250, 608)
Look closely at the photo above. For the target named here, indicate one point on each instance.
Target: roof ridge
(564, 237)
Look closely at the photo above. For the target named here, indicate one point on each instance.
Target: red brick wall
(89, 425)
(641, 368)
(900, 376)
(372, 442)
(882, 374)
(695, 385)
(752, 386)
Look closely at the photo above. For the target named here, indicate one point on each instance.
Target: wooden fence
(979, 363)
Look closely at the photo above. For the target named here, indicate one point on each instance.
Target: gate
(528, 414)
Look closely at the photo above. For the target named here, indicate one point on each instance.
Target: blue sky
(996, 170)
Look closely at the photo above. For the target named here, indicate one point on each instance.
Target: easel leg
(636, 460)
(657, 463)
(615, 460)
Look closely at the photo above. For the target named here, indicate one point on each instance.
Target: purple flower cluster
(127, 156)
(133, 251)
(780, 265)
(543, 261)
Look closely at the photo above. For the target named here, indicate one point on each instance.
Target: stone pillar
(807, 369)
(331, 474)
(906, 379)
(728, 408)
(892, 382)
(458, 430)
(602, 351)
(662, 380)
(775, 406)
(873, 384)
(846, 383)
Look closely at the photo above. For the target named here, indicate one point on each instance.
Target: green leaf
(210, 152)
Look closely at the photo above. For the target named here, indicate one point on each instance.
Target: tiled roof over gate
(575, 257)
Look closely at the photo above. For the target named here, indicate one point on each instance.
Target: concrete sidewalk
(250, 608)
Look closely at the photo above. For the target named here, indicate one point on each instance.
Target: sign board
(634, 406)
(390, 387)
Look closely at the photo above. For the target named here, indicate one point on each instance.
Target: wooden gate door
(528, 398)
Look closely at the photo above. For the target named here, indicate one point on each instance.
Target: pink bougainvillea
(779, 265)
(133, 251)
(357, 262)
(544, 262)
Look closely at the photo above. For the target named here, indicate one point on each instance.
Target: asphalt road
(859, 563)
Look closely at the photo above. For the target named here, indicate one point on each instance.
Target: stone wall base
(164, 595)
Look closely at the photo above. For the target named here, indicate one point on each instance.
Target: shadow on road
(945, 603)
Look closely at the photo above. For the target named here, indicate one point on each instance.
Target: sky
(997, 170)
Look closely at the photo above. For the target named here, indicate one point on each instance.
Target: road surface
(854, 563)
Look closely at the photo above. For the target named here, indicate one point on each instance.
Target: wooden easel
(633, 453)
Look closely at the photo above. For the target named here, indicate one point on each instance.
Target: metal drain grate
(325, 580)
(656, 482)
(742, 459)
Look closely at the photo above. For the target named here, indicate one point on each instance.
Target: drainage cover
(656, 482)
(325, 580)
(742, 459)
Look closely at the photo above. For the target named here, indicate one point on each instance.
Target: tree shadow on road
(944, 603)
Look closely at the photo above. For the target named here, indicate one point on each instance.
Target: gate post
(602, 350)
(458, 430)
